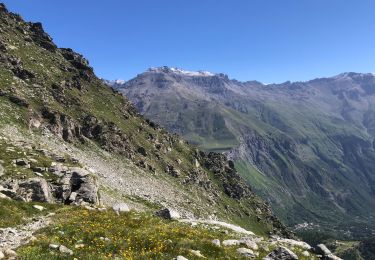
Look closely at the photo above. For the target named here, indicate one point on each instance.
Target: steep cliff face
(65, 124)
(307, 147)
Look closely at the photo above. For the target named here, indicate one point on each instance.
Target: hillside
(83, 175)
(306, 147)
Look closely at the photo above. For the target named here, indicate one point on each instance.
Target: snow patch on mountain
(181, 71)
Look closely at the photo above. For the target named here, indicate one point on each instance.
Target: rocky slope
(66, 138)
(306, 147)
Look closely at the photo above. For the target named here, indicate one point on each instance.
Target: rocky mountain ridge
(79, 161)
(302, 142)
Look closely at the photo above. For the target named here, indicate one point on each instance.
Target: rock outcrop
(75, 186)
(281, 253)
(35, 189)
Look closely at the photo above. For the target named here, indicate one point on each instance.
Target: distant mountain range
(306, 147)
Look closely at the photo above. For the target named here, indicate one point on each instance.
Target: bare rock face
(34, 189)
(281, 253)
(326, 254)
(321, 249)
(225, 171)
(76, 59)
(77, 186)
(168, 214)
(41, 38)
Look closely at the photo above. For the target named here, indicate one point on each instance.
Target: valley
(306, 147)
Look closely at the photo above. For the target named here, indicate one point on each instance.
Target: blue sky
(266, 40)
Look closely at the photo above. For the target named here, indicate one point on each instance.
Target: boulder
(73, 196)
(53, 246)
(326, 254)
(216, 242)
(22, 162)
(231, 242)
(35, 189)
(246, 252)
(9, 253)
(23, 74)
(121, 207)
(168, 214)
(180, 257)
(38, 207)
(77, 185)
(249, 243)
(197, 253)
(84, 184)
(321, 249)
(65, 250)
(39, 169)
(281, 253)
(3, 196)
(142, 151)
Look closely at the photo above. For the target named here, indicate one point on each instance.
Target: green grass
(131, 235)
(9, 152)
(13, 213)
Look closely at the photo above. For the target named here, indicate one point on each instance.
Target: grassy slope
(98, 100)
(130, 235)
(14, 213)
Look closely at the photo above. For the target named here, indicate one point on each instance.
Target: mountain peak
(174, 70)
(353, 75)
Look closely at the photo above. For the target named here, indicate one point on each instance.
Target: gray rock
(58, 158)
(332, 257)
(38, 207)
(180, 257)
(22, 162)
(58, 169)
(281, 253)
(53, 246)
(3, 196)
(326, 254)
(73, 196)
(1, 170)
(35, 189)
(197, 253)
(9, 193)
(78, 186)
(65, 250)
(121, 207)
(9, 253)
(246, 252)
(321, 249)
(87, 187)
(168, 214)
(249, 243)
(2, 256)
(216, 242)
(231, 242)
(39, 169)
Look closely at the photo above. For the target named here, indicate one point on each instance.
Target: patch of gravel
(14, 237)
(119, 175)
